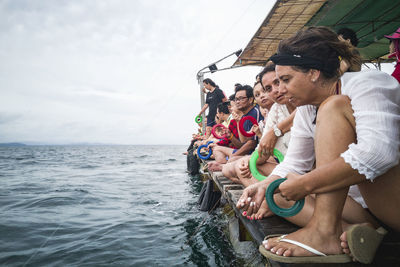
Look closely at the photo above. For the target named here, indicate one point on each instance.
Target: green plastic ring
(253, 163)
(198, 119)
(278, 155)
(269, 196)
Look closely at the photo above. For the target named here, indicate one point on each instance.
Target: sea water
(105, 206)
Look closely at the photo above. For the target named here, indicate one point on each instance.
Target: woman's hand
(252, 197)
(244, 170)
(268, 142)
(256, 129)
(292, 188)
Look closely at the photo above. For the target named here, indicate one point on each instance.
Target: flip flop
(319, 258)
(363, 242)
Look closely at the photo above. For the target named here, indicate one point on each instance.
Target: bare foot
(328, 244)
(343, 239)
(263, 212)
(214, 166)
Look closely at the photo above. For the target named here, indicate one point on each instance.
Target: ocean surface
(106, 206)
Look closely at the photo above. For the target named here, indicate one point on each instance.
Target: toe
(343, 237)
(280, 251)
(287, 253)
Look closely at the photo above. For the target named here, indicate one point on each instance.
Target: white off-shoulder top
(375, 99)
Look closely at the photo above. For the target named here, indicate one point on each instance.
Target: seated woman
(265, 92)
(350, 128)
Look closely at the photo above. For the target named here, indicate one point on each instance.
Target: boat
(371, 20)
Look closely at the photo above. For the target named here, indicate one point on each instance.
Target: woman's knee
(216, 149)
(228, 169)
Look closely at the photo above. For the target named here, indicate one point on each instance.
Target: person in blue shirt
(244, 106)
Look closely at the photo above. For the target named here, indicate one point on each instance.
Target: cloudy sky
(115, 71)
(118, 71)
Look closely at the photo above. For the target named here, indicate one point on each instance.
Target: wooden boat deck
(387, 255)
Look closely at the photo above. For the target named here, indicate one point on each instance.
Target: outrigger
(371, 20)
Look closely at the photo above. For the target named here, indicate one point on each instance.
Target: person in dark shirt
(244, 106)
(213, 98)
(244, 101)
(352, 64)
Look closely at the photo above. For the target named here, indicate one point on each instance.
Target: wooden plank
(387, 255)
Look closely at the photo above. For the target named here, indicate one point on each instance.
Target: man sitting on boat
(244, 104)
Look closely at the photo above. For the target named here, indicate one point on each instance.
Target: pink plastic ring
(241, 123)
(214, 128)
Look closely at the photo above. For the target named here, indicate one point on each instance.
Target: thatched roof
(370, 19)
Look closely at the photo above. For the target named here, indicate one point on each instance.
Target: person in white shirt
(265, 92)
(350, 129)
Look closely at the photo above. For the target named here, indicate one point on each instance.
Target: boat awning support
(211, 68)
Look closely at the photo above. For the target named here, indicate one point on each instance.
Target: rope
(47, 240)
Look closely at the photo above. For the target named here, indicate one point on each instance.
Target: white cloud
(114, 71)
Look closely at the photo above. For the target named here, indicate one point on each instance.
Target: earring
(313, 80)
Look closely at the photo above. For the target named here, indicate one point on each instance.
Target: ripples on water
(105, 206)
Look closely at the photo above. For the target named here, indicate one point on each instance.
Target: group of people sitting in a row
(338, 129)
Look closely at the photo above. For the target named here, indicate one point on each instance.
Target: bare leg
(228, 170)
(233, 158)
(353, 212)
(266, 168)
(221, 152)
(214, 166)
(381, 205)
(334, 133)
(208, 131)
(245, 180)
(234, 172)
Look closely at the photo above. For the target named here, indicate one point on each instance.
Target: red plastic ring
(241, 123)
(214, 128)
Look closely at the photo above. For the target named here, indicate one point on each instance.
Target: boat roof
(370, 19)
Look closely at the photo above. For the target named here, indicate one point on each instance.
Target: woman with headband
(266, 93)
(349, 127)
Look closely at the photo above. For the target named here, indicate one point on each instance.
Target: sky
(119, 72)
(116, 72)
